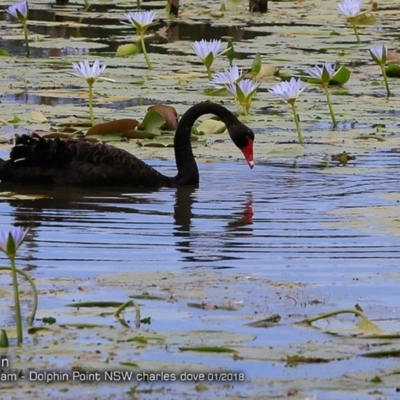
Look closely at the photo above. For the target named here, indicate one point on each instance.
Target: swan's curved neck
(188, 172)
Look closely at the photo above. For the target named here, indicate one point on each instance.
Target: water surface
(275, 224)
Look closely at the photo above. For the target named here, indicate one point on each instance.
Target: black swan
(81, 163)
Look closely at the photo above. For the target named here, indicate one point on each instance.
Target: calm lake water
(274, 222)
(277, 220)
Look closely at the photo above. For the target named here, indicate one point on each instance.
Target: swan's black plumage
(36, 160)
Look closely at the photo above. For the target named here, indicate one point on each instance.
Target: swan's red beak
(248, 152)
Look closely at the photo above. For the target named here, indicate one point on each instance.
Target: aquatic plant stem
(385, 80)
(246, 108)
(146, 56)
(121, 308)
(16, 301)
(91, 102)
(354, 311)
(238, 106)
(25, 28)
(353, 23)
(209, 72)
(34, 291)
(328, 99)
(292, 102)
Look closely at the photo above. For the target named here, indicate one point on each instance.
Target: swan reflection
(213, 241)
(82, 231)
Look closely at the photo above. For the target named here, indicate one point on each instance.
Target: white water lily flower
(19, 11)
(208, 51)
(243, 92)
(288, 91)
(11, 240)
(243, 88)
(85, 70)
(323, 75)
(203, 48)
(317, 72)
(229, 76)
(379, 54)
(141, 19)
(350, 8)
(91, 73)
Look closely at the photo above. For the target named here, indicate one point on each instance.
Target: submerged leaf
(382, 354)
(366, 326)
(266, 322)
(101, 304)
(16, 196)
(209, 349)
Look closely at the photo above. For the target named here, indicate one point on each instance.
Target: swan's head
(243, 137)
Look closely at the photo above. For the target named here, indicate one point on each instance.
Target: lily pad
(393, 71)
(169, 113)
(153, 121)
(120, 127)
(125, 50)
(341, 76)
(211, 127)
(38, 116)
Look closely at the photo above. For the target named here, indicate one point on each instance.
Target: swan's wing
(75, 162)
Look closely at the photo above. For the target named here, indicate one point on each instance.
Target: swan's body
(35, 160)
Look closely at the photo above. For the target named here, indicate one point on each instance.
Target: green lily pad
(211, 127)
(38, 116)
(15, 121)
(393, 71)
(4, 52)
(127, 50)
(341, 76)
(153, 121)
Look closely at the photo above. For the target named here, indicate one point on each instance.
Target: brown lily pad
(121, 127)
(170, 115)
(53, 135)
